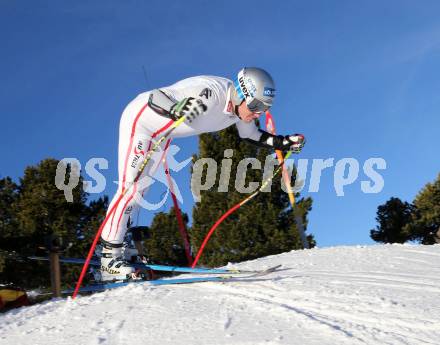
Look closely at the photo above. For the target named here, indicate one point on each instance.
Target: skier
(210, 104)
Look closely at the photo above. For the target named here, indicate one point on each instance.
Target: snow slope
(343, 295)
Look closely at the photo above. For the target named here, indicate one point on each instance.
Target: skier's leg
(134, 143)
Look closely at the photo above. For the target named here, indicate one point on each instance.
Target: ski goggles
(257, 106)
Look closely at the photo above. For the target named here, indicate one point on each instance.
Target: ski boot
(114, 267)
(131, 255)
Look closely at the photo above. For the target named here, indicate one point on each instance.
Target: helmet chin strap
(236, 110)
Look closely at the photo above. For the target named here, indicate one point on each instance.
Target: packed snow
(344, 295)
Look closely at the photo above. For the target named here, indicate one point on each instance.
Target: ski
(108, 286)
(162, 268)
(173, 281)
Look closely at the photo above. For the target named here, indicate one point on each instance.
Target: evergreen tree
(165, 244)
(264, 226)
(8, 197)
(42, 208)
(91, 218)
(392, 217)
(35, 212)
(425, 223)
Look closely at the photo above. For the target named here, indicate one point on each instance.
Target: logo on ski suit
(139, 152)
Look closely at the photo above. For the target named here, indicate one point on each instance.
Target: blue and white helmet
(256, 87)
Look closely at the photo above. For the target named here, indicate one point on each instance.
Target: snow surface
(344, 295)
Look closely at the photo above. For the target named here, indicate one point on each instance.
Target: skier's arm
(251, 133)
(167, 107)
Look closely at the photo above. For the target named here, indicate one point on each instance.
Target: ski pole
(172, 125)
(177, 211)
(270, 126)
(236, 207)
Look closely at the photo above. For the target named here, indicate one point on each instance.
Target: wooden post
(55, 275)
(437, 236)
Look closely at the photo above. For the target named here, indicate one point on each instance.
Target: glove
(189, 107)
(294, 142)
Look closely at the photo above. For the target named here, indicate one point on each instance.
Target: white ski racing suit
(140, 126)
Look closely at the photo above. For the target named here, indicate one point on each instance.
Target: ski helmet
(256, 87)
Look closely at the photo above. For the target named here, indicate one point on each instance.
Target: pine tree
(8, 197)
(35, 212)
(42, 209)
(392, 217)
(164, 244)
(91, 218)
(425, 223)
(264, 226)
(8, 223)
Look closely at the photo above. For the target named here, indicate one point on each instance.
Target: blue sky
(359, 79)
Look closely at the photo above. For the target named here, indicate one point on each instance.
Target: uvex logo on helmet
(243, 87)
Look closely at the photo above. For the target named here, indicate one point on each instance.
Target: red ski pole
(234, 208)
(182, 228)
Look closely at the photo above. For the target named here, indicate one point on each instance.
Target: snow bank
(343, 295)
